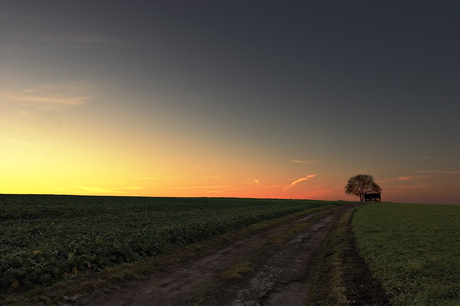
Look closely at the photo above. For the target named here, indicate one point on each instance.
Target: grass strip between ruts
(341, 276)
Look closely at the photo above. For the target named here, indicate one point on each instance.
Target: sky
(266, 99)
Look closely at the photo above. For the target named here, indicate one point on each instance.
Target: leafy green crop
(44, 239)
(414, 249)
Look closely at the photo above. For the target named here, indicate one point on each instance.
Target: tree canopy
(361, 184)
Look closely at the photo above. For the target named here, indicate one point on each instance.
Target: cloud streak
(426, 157)
(423, 175)
(30, 97)
(440, 172)
(79, 40)
(69, 94)
(21, 143)
(412, 177)
(306, 162)
(202, 187)
(299, 180)
(96, 190)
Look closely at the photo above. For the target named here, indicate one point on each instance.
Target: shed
(372, 197)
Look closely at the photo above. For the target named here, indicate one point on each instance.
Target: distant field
(414, 249)
(45, 239)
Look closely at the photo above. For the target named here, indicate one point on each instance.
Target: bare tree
(361, 184)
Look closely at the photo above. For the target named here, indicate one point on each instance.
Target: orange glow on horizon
(95, 161)
(167, 188)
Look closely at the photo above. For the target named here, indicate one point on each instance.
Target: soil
(264, 271)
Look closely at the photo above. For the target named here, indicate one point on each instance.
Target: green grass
(328, 287)
(236, 271)
(45, 239)
(414, 249)
(92, 284)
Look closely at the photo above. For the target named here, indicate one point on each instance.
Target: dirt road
(270, 267)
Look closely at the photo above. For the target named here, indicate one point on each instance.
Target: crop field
(414, 249)
(44, 239)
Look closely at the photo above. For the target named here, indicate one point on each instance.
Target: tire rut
(281, 273)
(285, 276)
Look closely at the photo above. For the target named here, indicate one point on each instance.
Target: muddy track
(278, 270)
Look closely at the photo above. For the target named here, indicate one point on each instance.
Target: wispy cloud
(155, 178)
(451, 172)
(96, 190)
(77, 42)
(203, 187)
(300, 180)
(405, 178)
(412, 177)
(73, 94)
(21, 143)
(307, 162)
(27, 97)
(423, 175)
(84, 40)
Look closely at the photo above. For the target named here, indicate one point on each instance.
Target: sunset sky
(277, 99)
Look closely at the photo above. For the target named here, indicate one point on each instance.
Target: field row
(413, 249)
(45, 239)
